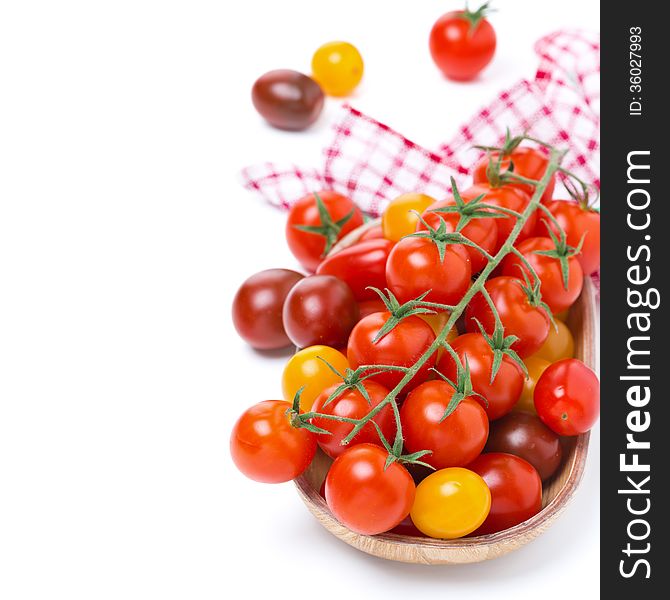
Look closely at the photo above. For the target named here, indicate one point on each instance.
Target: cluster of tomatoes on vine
(434, 366)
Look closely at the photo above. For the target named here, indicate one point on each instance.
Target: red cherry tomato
(506, 388)
(462, 43)
(401, 347)
(548, 269)
(364, 495)
(518, 316)
(353, 405)
(360, 266)
(567, 397)
(414, 267)
(454, 441)
(367, 307)
(266, 447)
(373, 233)
(310, 247)
(516, 490)
(576, 221)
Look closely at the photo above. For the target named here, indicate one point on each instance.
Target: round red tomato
(313, 228)
(367, 307)
(401, 347)
(567, 397)
(548, 269)
(373, 233)
(520, 315)
(506, 388)
(577, 221)
(462, 43)
(454, 441)
(414, 267)
(353, 405)
(516, 490)
(360, 266)
(364, 495)
(266, 447)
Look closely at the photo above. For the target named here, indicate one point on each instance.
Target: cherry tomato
(266, 447)
(338, 68)
(320, 309)
(535, 367)
(519, 317)
(367, 307)
(305, 369)
(525, 436)
(310, 247)
(559, 343)
(577, 221)
(365, 496)
(548, 269)
(528, 162)
(372, 233)
(462, 43)
(414, 267)
(437, 322)
(360, 266)
(401, 347)
(353, 405)
(516, 490)
(505, 390)
(257, 308)
(454, 441)
(567, 397)
(451, 503)
(398, 220)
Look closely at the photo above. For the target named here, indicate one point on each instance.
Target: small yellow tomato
(558, 345)
(450, 503)
(437, 323)
(536, 367)
(398, 220)
(338, 68)
(305, 368)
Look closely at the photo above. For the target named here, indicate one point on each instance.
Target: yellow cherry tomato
(398, 220)
(338, 68)
(558, 345)
(536, 367)
(437, 323)
(306, 369)
(450, 503)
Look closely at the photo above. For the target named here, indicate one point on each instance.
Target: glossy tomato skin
(257, 308)
(529, 323)
(454, 442)
(402, 347)
(363, 495)
(506, 388)
(527, 437)
(398, 218)
(373, 233)
(360, 266)
(367, 307)
(535, 367)
(319, 309)
(459, 50)
(414, 267)
(528, 162)
(567, 397)
(548, 269)
(309, 247)
(266, 447)
(451, 503)
(576, 221)
(353, 405)
(559, 344)
(516, 490)
(338, 68)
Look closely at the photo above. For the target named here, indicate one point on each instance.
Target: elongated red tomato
(454, 441)
(266, 447)
(360, 266)
(366, 496)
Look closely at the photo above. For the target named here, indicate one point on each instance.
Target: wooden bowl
(557, 491)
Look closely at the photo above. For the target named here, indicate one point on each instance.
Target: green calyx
(329, 229)
(580, 194)
(510, 144)
(534, 294)
(399, 311)
(462, 386)
(475, 16)
(501, 345)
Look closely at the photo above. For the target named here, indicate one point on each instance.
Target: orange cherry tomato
(559, 343)
(398, 220)
(338, 68)
(536, 367)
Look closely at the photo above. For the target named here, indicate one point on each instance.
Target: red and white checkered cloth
(372, 164)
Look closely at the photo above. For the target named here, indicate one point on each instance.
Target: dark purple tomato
(287, 99)
(257, 308)
(527, 437)
(320, 309)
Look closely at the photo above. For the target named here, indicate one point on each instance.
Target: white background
(123, 236)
